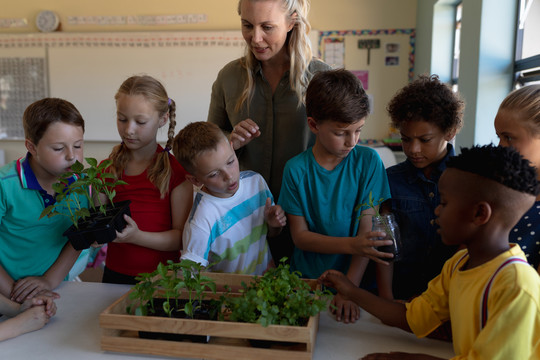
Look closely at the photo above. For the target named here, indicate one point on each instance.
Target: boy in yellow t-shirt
(488, 290)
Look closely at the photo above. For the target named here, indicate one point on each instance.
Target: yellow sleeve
(512, 329)
(428, 311)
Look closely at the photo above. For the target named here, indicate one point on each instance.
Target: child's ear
(163, 120)
(482, 213)
(30, 147)
(312, 123)
(192, 179)
(450, 135)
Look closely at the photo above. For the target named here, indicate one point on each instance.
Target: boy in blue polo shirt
(34, 254)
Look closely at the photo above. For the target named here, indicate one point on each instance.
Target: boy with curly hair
(428, 115)
(488, 290)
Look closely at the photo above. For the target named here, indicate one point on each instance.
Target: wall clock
(47, 21)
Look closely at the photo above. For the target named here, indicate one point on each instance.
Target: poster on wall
(334, 52)
(391, 61)
(392, 47)
(363, 75)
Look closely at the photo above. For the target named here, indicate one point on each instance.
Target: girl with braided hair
(159, 203)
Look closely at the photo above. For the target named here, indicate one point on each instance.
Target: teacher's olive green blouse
(283, 124)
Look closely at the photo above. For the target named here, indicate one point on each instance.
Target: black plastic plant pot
(99, 227)
(202, 313)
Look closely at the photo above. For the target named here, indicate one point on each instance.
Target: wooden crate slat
(228, 339)
(195, 350)
(110, 320)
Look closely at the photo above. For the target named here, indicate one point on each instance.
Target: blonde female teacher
(259, 97)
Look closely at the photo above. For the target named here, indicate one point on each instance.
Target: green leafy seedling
(83, 182)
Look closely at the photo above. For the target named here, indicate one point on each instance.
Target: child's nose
(130, 127)
(415, 146)
(350, 140)
(70, 154)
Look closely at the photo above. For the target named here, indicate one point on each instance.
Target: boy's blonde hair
(159, 172)
(193, 140)
(39, 115)
(298, 47)
(526, 103)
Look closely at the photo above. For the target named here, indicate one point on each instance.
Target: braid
(160, 172)
(172, 124)
(120, 157)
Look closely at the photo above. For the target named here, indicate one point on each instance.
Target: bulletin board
(390, 66)
(87, 70)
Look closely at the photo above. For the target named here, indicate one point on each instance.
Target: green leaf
(77, 167)
(91, 161)
(188, 309)
(104, 164)
(91, 172)
(46, 211)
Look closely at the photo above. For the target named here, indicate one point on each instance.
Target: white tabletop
(74, 332)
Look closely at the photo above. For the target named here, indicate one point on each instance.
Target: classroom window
(457, 43)
(527, 64)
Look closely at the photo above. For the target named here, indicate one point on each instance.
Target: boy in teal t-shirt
(323, 186)
(34, 255)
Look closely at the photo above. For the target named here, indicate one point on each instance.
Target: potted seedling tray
(97, 222)
(99, 227)
(227, 339)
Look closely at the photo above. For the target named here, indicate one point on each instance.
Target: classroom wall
(220, 15)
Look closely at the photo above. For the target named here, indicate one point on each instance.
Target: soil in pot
(207, 311)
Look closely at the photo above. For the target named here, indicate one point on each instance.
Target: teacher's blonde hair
(298, 48)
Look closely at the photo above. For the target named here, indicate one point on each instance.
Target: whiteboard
(90, 76)
(88, 69)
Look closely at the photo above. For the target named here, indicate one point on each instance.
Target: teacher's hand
(243, 133)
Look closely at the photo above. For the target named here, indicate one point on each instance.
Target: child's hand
(128, 234)
(28, 287)
(344, 310)
(243, 133)
(337, 280)
(41, 300)
(367, 243)
(274, 215)
(32, 319)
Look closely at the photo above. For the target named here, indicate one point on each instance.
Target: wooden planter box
(228, 340)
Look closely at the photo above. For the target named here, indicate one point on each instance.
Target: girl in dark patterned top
(518, 125)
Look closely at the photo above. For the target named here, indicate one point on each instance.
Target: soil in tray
(204, 313)
(98, 227)
(267, 344)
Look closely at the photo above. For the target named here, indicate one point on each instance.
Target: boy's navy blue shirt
(413, 202)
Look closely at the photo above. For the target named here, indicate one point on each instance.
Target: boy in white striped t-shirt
(233, 212)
